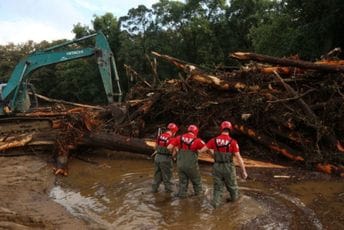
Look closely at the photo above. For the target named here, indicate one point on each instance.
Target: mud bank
(25, 183)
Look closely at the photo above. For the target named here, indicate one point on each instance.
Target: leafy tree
(267, 40)
(309, 28)
(79, 81)
(81, 30)
(170, 15)
(169, 21)
(136, 23)
(109, 25)
(191, 28)
(11, 54)
(199, 31)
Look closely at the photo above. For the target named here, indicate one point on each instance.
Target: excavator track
(21, 124)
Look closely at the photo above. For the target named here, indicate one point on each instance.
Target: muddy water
(115, 194)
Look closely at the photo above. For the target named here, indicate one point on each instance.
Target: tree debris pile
(298, 113)
(72, 129)
(48, 126)
(295, 110)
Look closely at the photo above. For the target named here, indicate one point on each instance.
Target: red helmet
(172, 127)
(226, 125)
(193, 129)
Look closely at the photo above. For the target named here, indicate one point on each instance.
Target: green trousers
(163, 167)
(188, 169)
(224, 174)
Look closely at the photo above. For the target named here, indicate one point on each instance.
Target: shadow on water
(115, 194)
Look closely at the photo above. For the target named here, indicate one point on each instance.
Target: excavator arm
(14, 96)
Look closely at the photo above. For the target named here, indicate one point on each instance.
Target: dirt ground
(25, 183)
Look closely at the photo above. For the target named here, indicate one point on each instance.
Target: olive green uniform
(224, 174)
(163, 167)
(187, 165)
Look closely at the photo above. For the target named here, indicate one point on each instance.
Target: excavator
(14, 95)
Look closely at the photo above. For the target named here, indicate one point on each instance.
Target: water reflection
(115, 194)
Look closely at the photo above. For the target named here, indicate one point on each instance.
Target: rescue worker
(187, 160)
(223, 148)
(163, 164)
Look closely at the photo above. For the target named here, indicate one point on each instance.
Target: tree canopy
(202, 32)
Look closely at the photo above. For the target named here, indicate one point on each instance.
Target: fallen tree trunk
(130, 144)
(287, 62)
(19, 142)
(268, 142)
(199, 75)
(118, 142)
(218, 83)
(104, 140)
(146, 146)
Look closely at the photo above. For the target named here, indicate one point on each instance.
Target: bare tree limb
(287, 62)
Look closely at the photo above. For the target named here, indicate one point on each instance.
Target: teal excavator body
(14, 95)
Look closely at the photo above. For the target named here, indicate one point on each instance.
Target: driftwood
(287, 62)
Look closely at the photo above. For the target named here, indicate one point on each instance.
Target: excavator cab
(14, 96)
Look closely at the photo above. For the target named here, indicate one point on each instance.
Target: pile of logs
(278, 105)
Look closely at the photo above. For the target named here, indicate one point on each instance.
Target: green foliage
(269, 38)
(199, 31)
(10, 55)
(309, 28)
(138, 20)
(81, 30)
(79, 81)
